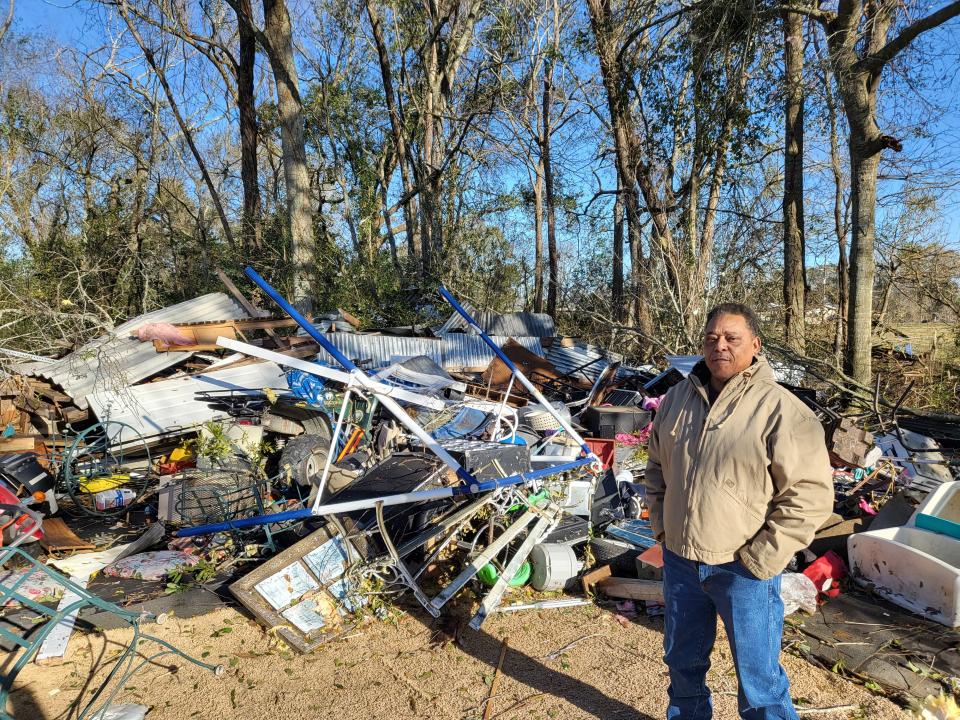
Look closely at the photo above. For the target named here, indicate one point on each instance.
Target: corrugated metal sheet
(170, 406)
(469, 351)
(381, 348)
(523, 324)
(567, 359)
(114, 361)
(452, 352)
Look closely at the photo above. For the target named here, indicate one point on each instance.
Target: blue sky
(73, 23)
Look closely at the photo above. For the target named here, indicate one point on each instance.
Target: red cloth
(829, 566)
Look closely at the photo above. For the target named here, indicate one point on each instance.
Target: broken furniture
(26, 638)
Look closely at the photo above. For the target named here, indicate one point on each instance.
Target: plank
(595, 576)
(17, 444)
(631, 589)
(54, 646)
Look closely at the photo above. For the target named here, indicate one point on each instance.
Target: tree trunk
(601, 22)
(247, 107)
(296, 176)
(859, 51)
(839, 227)
(863, 192)
(397, 131)
(794, 265)
(616, 284)
(538, 241)
(553, 260)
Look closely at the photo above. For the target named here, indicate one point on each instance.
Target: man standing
(738, 481)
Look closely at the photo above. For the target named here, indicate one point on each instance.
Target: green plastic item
(488, 575)
(532, 499)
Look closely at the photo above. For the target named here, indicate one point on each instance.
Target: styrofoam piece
(913, 568)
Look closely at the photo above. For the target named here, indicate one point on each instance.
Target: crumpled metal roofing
(454, 351)
(516, 324)
(567, 358)
(116, 360)
(171, 406)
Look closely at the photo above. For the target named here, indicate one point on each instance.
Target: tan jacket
(748, 478)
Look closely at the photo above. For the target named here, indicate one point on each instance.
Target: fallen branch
(488, 706)
(557, 653)
(825, 710)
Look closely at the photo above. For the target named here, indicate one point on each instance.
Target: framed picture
(302, 591)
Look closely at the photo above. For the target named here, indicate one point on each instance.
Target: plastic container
(110, 499)
(940, 511)
(554, 565)
(913, 568)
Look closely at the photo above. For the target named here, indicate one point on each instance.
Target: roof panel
(116, 360)
(170, 405)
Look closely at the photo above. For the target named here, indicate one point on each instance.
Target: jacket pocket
(729, 487)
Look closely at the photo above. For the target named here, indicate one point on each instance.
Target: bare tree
(276, 38)
(606, 36)
(860, 49)
(794, 247)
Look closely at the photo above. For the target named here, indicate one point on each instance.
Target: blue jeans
(752, 613)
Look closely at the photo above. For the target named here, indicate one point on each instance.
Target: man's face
(729, 346)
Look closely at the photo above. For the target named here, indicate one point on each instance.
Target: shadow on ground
(484, 647)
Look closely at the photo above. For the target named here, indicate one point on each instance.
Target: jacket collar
(758, 370)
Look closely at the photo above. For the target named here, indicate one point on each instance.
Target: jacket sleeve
(653, 474)
(803, 494)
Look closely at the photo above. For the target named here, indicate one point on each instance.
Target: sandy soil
(413, 669)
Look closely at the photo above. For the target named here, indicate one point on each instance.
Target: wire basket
(215, 496)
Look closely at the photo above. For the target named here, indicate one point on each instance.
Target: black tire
(317, 424)
(621, 557)
(305, 456)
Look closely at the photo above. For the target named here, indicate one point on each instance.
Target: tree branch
(876, 61)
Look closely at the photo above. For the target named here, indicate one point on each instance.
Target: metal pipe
(328, 460)
(329, 373)
(300, 319)
(398, 499)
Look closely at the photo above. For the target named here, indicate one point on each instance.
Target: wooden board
(57, 537)
(595, 576)
(17, 444)
(631, 589)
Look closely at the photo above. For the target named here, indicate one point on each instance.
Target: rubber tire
(306, 455)
(620, 558)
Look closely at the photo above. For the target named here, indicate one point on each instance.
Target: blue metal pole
(388, 402)
(531, 388)
(475, 488)
(300, 320)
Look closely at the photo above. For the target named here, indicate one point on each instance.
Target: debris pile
(328, 475)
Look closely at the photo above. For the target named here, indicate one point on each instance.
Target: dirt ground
(570, 663)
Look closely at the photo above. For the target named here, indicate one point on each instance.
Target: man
(738, 481)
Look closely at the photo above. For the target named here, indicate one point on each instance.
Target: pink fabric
(164, 332)
(652, 403)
